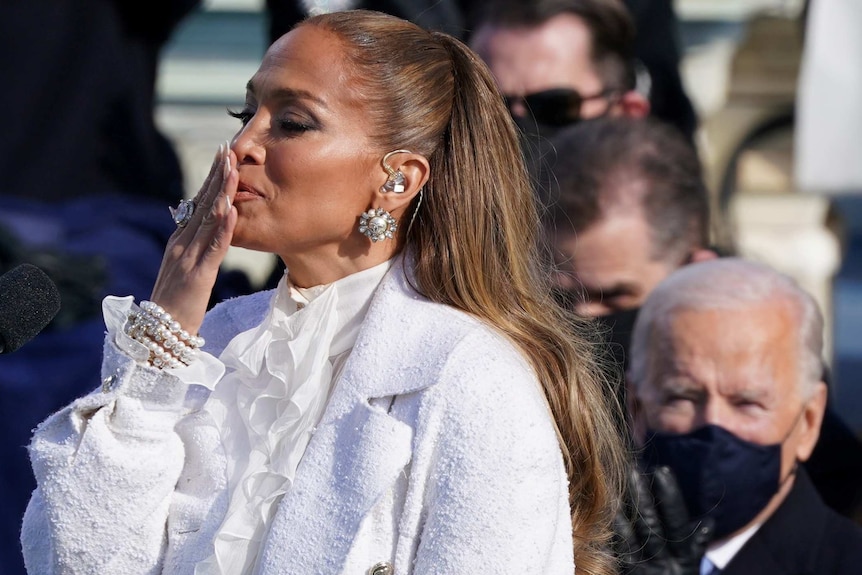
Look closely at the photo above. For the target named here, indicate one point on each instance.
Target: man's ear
(811, 420)
(634, 105)
(702, 255)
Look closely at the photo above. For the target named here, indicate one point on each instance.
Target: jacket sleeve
(109, 466)
(496, 498)
(106, 467)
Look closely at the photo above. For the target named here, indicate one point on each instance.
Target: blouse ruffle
(270, 387)
(277, 383)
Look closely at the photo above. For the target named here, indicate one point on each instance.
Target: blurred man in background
(560, 61)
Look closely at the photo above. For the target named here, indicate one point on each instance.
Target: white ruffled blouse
(275, 385)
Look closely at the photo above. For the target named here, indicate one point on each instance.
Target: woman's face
(307, 169)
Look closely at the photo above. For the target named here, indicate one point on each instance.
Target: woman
(408, 400)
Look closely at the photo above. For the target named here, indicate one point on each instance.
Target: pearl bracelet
(169, 344)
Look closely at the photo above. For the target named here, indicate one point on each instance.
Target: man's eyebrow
(681, 386)
(289, 94)
(614, 290)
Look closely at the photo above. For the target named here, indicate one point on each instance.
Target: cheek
(672, 417)
(674, 420)
(651, 275)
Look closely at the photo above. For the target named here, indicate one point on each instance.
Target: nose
(591, 308)
(712, 412)
(247, 144)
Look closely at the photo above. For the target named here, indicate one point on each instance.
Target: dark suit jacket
(803, 537)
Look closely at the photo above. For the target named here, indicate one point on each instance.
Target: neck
(315, 269)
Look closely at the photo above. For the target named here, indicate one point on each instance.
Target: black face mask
(618, 326)
(720, 475)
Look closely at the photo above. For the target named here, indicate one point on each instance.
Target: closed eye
(290, 127)
(244, 115)
(293, 127)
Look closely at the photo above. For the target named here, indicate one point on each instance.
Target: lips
(245, 192)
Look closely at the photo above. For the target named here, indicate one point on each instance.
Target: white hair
(729, 283)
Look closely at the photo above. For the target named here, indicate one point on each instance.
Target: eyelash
(244, 116)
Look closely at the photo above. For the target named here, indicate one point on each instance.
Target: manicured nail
(227, 167)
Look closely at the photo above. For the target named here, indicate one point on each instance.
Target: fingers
(195, 253)
(669, 499)
(625, 541)
(702, 536)
(205, 198)
(180, 232)
(647, 521)
(219, 217)
(210, 191)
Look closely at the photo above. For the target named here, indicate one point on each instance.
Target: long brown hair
(476, 239)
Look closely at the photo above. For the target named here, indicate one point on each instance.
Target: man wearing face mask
(725, 390)
(626, 206)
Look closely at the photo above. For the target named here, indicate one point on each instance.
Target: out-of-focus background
(87, 178)
(756, 94)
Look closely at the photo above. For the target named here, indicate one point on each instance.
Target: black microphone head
(29, 300)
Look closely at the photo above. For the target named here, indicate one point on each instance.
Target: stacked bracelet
(169, 344)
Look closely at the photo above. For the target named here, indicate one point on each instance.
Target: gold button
(382, 568)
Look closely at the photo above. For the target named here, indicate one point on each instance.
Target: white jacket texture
(436, 454)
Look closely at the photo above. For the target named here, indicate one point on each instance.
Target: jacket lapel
(348, 465)
(358, 449)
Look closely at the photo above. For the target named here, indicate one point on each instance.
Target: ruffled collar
(277, 381)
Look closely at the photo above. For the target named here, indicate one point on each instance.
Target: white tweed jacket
(436, 454)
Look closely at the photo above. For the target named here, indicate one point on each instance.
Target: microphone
(29, 300)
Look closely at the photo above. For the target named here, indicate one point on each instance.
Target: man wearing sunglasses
(559, 62)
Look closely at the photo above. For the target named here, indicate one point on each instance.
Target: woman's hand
(195, 252)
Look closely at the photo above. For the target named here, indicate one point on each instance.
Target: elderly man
(725, 390)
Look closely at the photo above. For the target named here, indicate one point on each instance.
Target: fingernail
(227, 167)
(227, 201)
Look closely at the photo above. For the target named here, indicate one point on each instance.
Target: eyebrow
(289, 94)
(678, 384)
(599, 293)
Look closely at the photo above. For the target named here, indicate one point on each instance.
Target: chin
(241, 240)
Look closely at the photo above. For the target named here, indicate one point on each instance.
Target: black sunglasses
(556, 107)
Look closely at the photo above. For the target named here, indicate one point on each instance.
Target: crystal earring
(377, 224)
(396, 180)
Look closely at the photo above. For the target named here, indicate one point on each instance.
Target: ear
(634, 105)
(810, 422)
(702, 255)
(416, 171)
